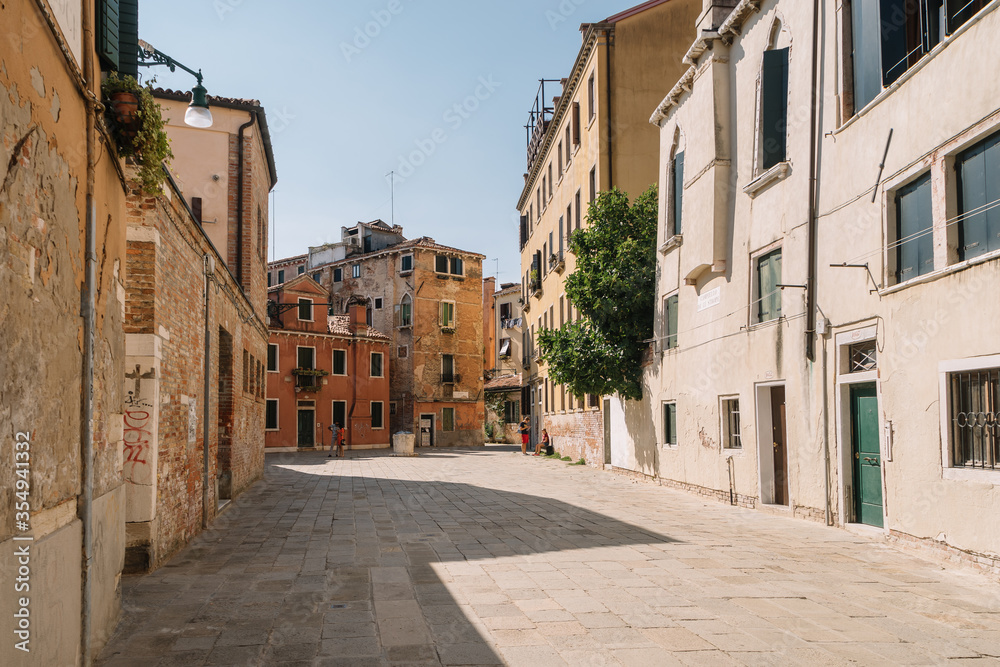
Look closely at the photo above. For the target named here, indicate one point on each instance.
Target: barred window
(864, 357)
(974, 408)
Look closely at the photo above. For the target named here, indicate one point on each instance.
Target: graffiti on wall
(139, 422)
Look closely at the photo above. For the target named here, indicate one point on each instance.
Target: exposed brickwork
(989, 563)
(577, 434)
(749, 502)
(140, 287)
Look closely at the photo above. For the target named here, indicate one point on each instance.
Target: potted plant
(136, 124)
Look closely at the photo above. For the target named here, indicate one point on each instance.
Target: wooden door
(867, 455)
(780, 445)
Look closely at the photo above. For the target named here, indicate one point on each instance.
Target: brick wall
(577, 434)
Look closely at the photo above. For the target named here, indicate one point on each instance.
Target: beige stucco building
(592, 137)
(826, 340)
(506, 359)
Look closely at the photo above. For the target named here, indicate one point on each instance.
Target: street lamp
(198, 114)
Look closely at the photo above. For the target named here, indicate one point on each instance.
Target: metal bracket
(864, 266)
(150, 57)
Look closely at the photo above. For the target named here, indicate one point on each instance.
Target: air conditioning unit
(354, 240)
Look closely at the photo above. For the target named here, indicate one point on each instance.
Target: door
(780, 445)
(307, 428)
(867, 455)
(607, 431)
(426, 430)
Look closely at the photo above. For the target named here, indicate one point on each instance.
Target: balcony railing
(450, 378)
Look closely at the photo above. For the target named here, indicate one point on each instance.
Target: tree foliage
(613, 287)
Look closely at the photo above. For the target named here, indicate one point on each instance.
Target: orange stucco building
(323, 369)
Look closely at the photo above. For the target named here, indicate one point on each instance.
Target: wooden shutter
(865, 52)
(678, 191)
(576, 123)
(979, 188)
(524, 231)
(108, 32)
(671, 315)
(196, 204)
(128, 38)
(774, 107)
(768, 278)
(915, 252)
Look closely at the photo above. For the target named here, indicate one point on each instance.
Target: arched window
(404, 312)
(773, 116)
(675, 187)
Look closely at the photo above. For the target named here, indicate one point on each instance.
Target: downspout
(206, 397)
(826, 434)
(813, 138)
(239, 201)
(88, 308)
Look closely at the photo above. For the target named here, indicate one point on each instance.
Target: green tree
(613, 287)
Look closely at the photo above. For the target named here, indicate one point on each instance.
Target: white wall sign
(69, 15)
(710, 299)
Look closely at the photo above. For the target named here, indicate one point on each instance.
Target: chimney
(359, 318)
(714, 13)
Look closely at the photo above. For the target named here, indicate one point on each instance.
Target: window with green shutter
(774, 107)
(128, 38)
(768, 293)
(108, 32)
(978, 198)
(914, 225)
(677, 191)
(670, 424)
(670, 323)
(447, 419)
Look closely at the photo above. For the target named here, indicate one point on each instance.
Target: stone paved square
(487, 557)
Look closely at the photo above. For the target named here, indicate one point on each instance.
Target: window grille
(864, 357)
(974, 405)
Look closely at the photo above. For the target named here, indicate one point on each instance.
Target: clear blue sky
(345, 108)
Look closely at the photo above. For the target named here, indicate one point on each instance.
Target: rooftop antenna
(274, 231)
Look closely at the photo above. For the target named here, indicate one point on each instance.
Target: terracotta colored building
(323, 369)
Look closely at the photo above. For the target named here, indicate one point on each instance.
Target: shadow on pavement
(310, 567)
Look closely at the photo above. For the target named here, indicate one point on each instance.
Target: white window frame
(409, 302)
(355, 270)
(371, 360)
(403, 258)
(306, 347)
(454, 315)
(337, 270)
(373, 404)
(755, 295)
(944, 369)
(277, 415)
(333, 412)
(665, 439)
(725, 436)
(312, 304)
(333, 363)
(378, 303)
(277, 358)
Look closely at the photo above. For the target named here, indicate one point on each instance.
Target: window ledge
(675, 241)
(940, 273)
(972, 475)
(406, 273)
(767, 323)
(778, 172)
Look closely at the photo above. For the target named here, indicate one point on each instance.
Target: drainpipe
(239, 201)
(206, 398)
(813, 151)
(826, 433)
(88, 308)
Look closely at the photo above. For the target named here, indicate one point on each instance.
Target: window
(405, 263)
(978, 196)
(766, 281)
(403, 351)
(591, 98)
(973, 406)
(504, 347)
(448, 314)
(863, 357)
(404, 312)
(914, 253)
(269, 280)
(670, 424)
(377, 421)
(339, 413)
(441, 264)
(392, 408)
(339, 362)
(338, 275)
(731, 438)
(457, 266)
(307, 358)
(538, 197)
(545, 200)
(593, 184)
(512, 412)
(670, 322)
(306, 310)
(559, 151)
(453, 265)
(448, 369)
(246, 370)
(504, 313)
(378, 303)
(272, 358)
(271, 418)
(577, 223)
(447, 419)
(301, 270)
(773, 107)
(376, 365)
(317, 276)
(677, 192)
(281, 276)
(356, 271)
(569, 149)
(550, 180)
(593, 400)
(576, 123)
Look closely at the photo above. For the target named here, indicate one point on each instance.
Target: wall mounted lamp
(198, 114)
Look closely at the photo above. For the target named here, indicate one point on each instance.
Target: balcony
(308, 379)
(557, 262)
(450, 378)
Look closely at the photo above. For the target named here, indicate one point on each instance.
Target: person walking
(525, 429)
(543, 443)
(336, 440)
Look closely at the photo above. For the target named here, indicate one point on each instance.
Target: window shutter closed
(774, 107)
(128, 38)
(108, 32)
(524, 230)
(678, 190)
(915, 254)
(576, 123)
(979, 190)
(671, 322)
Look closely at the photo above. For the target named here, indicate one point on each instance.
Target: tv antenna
(392, 196)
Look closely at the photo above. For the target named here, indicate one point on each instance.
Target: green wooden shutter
(128, 38)
(915, 252)
(979, 196)
(670, 423)
(108, 32)
(678, 191)
(671, 322)
(768, 278)
(774, 107)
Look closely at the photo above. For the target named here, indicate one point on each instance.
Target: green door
(867, 455)
(307, 428)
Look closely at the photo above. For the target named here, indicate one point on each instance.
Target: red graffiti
(136, 436)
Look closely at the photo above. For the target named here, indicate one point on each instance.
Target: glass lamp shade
(198, 117)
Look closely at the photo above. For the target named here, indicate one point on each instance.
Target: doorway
(224, 426)
(607, 431)
(772, 439)
(427, 430)
(867, 457)
(307, 427)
